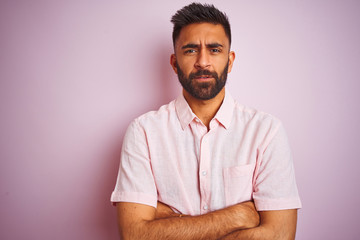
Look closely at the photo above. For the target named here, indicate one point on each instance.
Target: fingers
(164, 211)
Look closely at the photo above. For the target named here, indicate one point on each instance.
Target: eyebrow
(214, 45)
(193, 45)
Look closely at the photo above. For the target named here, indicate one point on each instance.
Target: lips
(203, 76)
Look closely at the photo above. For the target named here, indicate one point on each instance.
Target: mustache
(203, 72)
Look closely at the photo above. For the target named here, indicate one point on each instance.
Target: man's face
(202, 59)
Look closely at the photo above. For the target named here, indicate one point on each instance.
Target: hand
(251, 214)
(164, 211)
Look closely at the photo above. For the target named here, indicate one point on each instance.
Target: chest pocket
(238, 183)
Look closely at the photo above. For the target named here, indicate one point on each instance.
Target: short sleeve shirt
(170, 156)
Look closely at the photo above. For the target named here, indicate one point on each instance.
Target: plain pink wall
(73, 74)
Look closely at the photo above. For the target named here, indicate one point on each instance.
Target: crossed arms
(240, 221)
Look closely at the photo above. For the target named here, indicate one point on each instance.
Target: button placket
(204, 173)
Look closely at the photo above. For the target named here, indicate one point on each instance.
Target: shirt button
(204, 173)
(205, 207)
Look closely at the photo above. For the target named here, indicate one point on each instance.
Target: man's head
(199, 13)
(202, 55)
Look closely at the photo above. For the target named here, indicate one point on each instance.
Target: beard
(203, 90)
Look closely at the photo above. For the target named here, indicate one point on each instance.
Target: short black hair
(199, 13)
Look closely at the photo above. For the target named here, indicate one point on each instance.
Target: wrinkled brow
(190, 45)
(213, 45)
(193, 45)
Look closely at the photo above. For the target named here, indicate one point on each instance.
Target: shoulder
(158, 117)
(256, 124)
(254, 116)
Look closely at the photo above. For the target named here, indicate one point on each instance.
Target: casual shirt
(170, 156)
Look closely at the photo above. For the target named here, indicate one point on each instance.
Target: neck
(205, 110)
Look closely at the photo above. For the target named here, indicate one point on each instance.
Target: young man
(204, 166)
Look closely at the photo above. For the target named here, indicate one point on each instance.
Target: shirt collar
(223, 115)
(225, 112)
(183, 111)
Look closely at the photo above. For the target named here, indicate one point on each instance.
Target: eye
(215, 50)
(190, 51)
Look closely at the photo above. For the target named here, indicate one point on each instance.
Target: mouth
(204, 78)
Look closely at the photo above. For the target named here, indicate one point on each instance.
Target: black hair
(199, 13)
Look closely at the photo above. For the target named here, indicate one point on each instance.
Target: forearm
(257, 233)
(208, 226)
(275, 225)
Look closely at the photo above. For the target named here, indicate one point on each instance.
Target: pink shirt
(168, 155)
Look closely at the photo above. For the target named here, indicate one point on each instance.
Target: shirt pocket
(238, 183)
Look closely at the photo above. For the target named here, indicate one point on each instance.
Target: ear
(173, 62)
(231, 60)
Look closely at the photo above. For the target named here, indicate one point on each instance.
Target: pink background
(73, 74)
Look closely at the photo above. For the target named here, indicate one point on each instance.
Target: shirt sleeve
(135, 181)
(275, 186)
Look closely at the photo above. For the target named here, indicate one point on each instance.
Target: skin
(204, 46)
(274, 225)
(280, 224)
(138, 221)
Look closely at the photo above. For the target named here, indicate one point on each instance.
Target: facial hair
(203, 90)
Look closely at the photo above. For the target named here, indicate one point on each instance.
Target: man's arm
(138, 221)
(274, 225)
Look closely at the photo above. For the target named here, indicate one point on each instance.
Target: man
(204, 166)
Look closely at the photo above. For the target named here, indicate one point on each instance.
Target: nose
(203, 60)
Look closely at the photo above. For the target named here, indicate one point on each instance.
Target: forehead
(202, 33)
